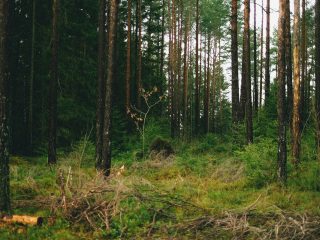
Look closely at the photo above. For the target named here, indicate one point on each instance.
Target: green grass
(204, 175)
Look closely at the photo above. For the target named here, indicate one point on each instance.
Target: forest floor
(199, 193)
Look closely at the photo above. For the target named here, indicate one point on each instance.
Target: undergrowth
(205, 183)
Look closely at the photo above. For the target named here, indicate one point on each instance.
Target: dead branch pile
(91, 201)
(95, 202)
(256, 226)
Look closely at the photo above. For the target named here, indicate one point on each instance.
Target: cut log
(25, 220)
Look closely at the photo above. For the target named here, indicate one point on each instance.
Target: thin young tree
(185, 75)
(106, 151)
(207, 86)
(246, 72)
(197, 80)
(267, 63)
(261, 54)
(4, 133)
(234, 60)
(282, 145)
(139, 60)
(128, 65)
(317, 70)
(296, 121)
(31, 83)
(101, 82)
(255, 65)
(52, 156)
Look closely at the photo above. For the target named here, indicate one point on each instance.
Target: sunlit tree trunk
(296, 134)
(4, 135)
(52, 158)
(106, 152)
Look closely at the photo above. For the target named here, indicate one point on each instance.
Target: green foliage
(260, 160)
(205, 144)
(156, 128)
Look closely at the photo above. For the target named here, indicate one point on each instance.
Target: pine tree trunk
(303, 63)
(162, 44)
(261, 54)
(30, 109)
(289, 63)
(317, 70)
(282, 146)
(255, 68)
(197, 80)
(4, 133)
(267, 67)
(234, 59)
(246, 72)
(296, 121)
(101, 83)
(139, 73)
(106, 152)
(52, 158)
(128, 66)
(185, 77)
(207, 87)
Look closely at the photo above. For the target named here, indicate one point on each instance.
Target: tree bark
(185, 77)
(234, 60)
(267, 66)
(4, 133)
(128, 66)
(296, 122)
(255, 67)
(246, 72)
(303, 63)
(30, 108)
(207, 87)
(101, 82)
(139, 80)
(106, 152)
(317, 70)
(52, 157)
(282, 146)
(289, 63)
(261, 54)
(197, 80)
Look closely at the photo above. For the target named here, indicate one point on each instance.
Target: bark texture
(52, 156)
(4, 154)
(106, 152)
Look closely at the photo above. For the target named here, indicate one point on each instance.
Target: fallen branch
(25, 220)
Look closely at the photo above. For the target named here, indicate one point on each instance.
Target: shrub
(260, 161)
(160, 145)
